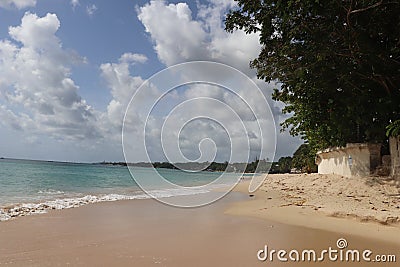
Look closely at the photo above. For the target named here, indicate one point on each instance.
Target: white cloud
(75, 3)
(39, 96)
(123, 86)
(184, 38)
(172, 111)
(91, 9)
(20, 4)
(35, 81)
(37, 33)
(180, 38)
(133, 58)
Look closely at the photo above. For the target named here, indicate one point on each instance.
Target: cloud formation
(122, 86)
(39, 96)
(75, 3)
(184, 38)
(35, 81)
(91, 10)
(188, 37)
(180, 38)
(19, 4)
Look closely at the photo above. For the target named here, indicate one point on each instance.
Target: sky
(69, 70)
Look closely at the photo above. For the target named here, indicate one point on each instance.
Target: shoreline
(15, 211)
(145, 232)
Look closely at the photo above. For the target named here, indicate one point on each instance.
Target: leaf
(315, 47)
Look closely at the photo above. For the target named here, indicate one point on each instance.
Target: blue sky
(69, 68)
(112, 30)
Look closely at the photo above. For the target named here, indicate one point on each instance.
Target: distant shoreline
(263, 166)
(257, 166)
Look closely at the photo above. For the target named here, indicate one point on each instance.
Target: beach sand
(364, 206)
(229, 232)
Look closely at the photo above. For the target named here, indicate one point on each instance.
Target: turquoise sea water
(36, 186)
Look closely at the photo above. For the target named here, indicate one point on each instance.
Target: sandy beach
(229, 232)
(138, 133)
(364, 206)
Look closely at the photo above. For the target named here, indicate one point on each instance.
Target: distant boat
(1, 158)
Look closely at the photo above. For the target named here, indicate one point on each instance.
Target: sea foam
(24, 209)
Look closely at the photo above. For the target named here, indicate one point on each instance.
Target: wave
(50, 192)
(24, 209)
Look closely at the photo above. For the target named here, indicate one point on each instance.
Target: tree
(252, 167)
(393, 129)
(337, 63)
(285, 164)
(304, 159)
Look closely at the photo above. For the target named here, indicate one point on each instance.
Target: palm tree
(393, 129)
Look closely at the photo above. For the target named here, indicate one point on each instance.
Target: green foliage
(393, 129)
(163, 165)
(251, 167)
(284, 164)
(259, 166)
(337, 63)
(304, 159)
(214, 166)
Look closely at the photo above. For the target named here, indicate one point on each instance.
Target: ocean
(30, 187)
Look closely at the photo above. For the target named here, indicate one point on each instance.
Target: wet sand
(148, 233)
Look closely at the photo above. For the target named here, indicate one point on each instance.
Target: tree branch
(366, 8)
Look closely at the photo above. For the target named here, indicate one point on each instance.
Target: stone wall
(394, 143)
(352, 160)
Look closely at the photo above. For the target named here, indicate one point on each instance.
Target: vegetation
(337, 64)
(285, 164)
(393, 129)
(260, 166)
(164, 165)
(304, 159)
